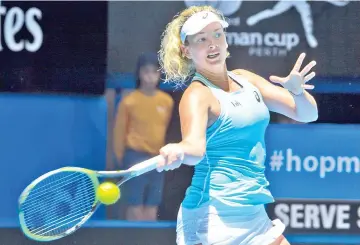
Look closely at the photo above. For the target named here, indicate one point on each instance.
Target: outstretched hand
(296, 81)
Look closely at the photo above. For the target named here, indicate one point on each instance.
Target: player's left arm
(291, 99)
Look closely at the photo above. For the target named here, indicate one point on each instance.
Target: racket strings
(53, 185)
(44, 208)
(57, 224)
(58, 196)
(58, 203)
(63, 214)
(45, 196)
(54, 218)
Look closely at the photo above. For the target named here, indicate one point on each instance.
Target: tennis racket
(59, 202)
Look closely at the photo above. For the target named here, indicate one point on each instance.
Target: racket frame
(128, 174)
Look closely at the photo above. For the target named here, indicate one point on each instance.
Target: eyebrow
(214, 31)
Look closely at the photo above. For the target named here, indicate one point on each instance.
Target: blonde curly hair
(176, 67)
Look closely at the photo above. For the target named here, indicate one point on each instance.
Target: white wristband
(302, 92)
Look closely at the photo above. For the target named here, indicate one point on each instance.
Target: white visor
(199, 21)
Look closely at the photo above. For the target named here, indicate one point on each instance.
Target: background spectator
(141, 123)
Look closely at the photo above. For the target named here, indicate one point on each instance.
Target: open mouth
(213, 56)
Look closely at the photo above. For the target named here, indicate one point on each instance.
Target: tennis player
(224, 115)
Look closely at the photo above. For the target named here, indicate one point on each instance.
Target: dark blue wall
(40, 133)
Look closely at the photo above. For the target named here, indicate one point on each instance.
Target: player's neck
(219, 78)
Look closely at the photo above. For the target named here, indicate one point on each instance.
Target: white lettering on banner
(296, 216)
(343, 215)
(315, 216)
(285, 41)
(268, 44)
(244, 38)
(14, 20)
(288, 40)
(323, 164)
(234, 21)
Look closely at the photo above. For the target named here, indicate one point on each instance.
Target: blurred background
(67, 67)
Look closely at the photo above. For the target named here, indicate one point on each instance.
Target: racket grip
(145, 166)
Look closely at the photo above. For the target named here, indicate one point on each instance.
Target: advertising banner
(264, 36)
(315, 217)
(53, 46)
(314, 161)
(314, 172)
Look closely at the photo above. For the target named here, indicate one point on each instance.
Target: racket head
(57, 203)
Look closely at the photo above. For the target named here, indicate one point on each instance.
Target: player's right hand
(172, 157)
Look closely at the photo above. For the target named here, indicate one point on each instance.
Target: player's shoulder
(248, 75)
(197, 87)
(196, 91)
(242, 72)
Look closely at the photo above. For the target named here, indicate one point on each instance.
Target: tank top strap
(216, 91)
(241, 80)
(202, 79)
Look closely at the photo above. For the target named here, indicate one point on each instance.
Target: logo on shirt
(257, 97)
(235, 103)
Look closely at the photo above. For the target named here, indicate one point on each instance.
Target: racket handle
(145, 166)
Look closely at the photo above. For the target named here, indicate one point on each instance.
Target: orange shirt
(141, 122)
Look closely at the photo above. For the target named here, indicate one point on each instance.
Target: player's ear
(185, 51)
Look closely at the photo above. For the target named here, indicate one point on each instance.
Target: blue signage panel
(314, 161)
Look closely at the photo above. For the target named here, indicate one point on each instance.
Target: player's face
(149, 76)
(208, 48)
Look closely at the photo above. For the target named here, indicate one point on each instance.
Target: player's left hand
(296, 81)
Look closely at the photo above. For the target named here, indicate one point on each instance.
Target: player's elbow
(310, 116)
(307, 119)
(313, 118)
(194, 159)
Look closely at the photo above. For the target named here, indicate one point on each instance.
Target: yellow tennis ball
(108, 193)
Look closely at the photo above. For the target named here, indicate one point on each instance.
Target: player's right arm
(193, 108)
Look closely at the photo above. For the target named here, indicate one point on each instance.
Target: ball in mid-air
(108, 193)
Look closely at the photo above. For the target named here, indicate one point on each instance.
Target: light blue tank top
(232, 170)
